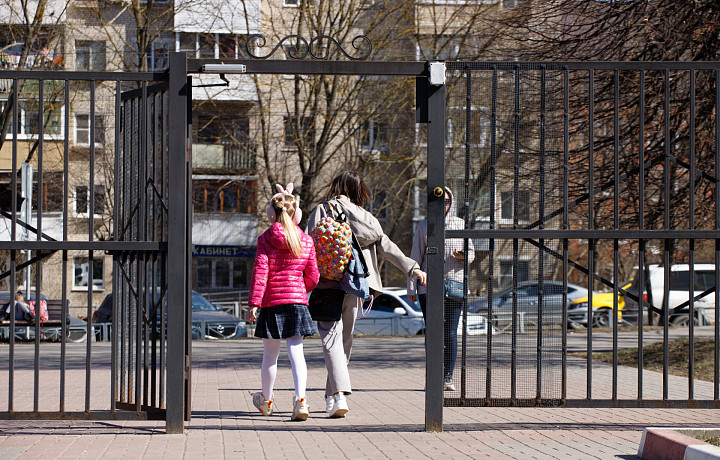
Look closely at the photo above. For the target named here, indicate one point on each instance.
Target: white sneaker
(340, 406)
(265, 407)
(329, 404)
(301, 410)
(448, 385)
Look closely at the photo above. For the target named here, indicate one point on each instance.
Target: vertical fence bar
(516, 185)
(13, 254)
(153, 237)
(91, 260)
(140, 375)
(616, 226)
(66, 179)
(177, 241)
(641, 227)
(565, 226)
(691, 288)
(491, 242)
(466, 206)
(117, 223)
(163, 237)
(666, 226)
(144, 218)
(38, 264)
(716, 361)
(591, 242)
(541, 253)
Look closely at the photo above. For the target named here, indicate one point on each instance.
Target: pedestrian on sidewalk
(285, 271)
(454, 271)
(348, 192)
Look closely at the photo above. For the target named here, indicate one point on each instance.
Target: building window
(374, 135)
(506, 205)
(82, 199)
(159, 54)
(213, 196)
(52, 192)
(82, 129)
(206, 46)
(222, 273)
(29, 121)
(90, 56)
(291, 3)
(505, 278)
(298, 132)
(82, 273)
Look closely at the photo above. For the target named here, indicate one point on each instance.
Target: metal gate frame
(174, 245)
(535, 234)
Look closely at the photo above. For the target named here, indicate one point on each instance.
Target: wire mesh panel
(586, 214)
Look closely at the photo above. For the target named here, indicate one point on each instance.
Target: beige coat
(371, 237)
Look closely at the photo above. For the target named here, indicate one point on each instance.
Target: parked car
(393, 313)
(603, 304)
(679, 283)
(208, 320)
(527, 302)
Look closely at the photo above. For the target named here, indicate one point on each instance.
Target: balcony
(225, 156)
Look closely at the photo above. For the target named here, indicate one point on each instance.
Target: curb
(678, 444)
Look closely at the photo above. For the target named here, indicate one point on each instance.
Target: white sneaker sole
(339, 413)
(300, 417)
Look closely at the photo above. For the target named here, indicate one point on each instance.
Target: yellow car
(602, 308)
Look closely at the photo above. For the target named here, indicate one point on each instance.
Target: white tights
(268, 372)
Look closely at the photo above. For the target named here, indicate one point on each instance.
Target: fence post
(178, 234)
(435, 103)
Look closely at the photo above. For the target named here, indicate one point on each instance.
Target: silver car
(392, 313)
(527, 302)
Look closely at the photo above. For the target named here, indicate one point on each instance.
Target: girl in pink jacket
(285, 271)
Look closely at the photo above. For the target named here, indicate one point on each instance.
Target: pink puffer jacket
(279, 277)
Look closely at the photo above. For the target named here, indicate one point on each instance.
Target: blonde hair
(284, 207)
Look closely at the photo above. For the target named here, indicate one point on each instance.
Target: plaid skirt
(283, 321)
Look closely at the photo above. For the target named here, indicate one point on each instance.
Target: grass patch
(678, 358)
(714, 440)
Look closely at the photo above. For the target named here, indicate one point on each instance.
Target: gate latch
(432, 250)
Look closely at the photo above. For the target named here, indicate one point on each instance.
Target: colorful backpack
(333, 245)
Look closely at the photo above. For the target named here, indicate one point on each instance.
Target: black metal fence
(589, 194)
(100, 146)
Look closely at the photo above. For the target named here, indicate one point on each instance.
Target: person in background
(285, 271)
(349, 191)
(454, 272)
(22, 310)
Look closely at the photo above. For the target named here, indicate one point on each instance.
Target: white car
(393, 313)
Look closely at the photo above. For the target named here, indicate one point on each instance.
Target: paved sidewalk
(386, 417)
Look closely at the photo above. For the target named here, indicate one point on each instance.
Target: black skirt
(283, 321)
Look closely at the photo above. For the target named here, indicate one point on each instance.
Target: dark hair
(350, 184)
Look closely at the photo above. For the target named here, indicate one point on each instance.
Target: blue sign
(222, 251)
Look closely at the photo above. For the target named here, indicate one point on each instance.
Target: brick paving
(386, 418)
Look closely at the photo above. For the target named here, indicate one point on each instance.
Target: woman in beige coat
(349, 191)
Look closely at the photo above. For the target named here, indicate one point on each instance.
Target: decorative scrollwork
(300, 48)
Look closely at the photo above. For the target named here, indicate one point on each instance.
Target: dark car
(208, 320)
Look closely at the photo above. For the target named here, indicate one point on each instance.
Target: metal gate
(567, 176)
(143, 225)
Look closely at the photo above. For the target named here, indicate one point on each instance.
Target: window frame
(23, 135)
(79, 262)
(77, 193)
(97, 117)
(91, 55)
